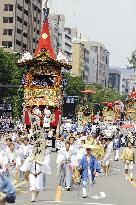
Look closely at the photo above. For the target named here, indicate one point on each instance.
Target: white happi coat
(36, 182)
(47, 118)
(11, 157)
(107, 156)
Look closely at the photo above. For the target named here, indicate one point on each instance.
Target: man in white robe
(37, 170)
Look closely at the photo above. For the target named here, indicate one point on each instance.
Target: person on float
(37, 113)
(87, 167)
(47, 118)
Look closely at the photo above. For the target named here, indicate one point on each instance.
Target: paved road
(111, 190)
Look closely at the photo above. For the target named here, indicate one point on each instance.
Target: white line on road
(65, 202)
(117, 169)
(102, 195)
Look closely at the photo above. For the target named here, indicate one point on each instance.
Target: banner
(38, 140)
(41, 97)
(80, 118)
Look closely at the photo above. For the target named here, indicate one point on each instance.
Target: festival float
(130, 106)
(117, 109)
(43, 95)
(108, 112)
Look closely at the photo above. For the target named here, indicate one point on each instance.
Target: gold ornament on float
(44, 36)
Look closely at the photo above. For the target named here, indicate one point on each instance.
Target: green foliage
(11, 74)
(132, 61)
(75, 85)
(106, 95)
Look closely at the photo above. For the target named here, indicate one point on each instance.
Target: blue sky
(111, 22)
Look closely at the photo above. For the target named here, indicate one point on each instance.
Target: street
(111, 190)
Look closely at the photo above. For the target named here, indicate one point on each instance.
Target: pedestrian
(107, 157)
(7, 191)
(87, 167)
(116, 147)
(128, 157)
(11, 161)
(64, 162)
(36, 170)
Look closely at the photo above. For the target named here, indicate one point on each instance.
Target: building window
(86, 60)
(68, 45)
(26, 1)
(39, 11)
(7, 44)
(35, 19)
(24, 45)
(19, 19)
(25, 23)
(18, 43)
(19, 7)
(19, 31)
(25, 12)
(67, 37)
(25, 35)
(7, 19)
(8, 7)
(7, 32)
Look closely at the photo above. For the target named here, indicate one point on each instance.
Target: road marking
(58, 194)
(102, 195)
(129, 179)
(118, 170)
(65, 202)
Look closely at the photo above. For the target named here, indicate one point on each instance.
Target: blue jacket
(83, 166)
(116, 144)
(7, 188)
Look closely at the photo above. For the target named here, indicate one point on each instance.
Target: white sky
(111, 22)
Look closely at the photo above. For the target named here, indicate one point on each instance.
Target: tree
(132, 61)
(11, 74)
(106, 95)
(74, 85)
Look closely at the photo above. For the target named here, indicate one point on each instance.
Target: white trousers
(116, 154)
(129, 166)
(84, 183)
(36, 183)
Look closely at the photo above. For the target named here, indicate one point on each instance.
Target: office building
(91, 61)
(20, 24)
(102, 73)
(115, 78)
